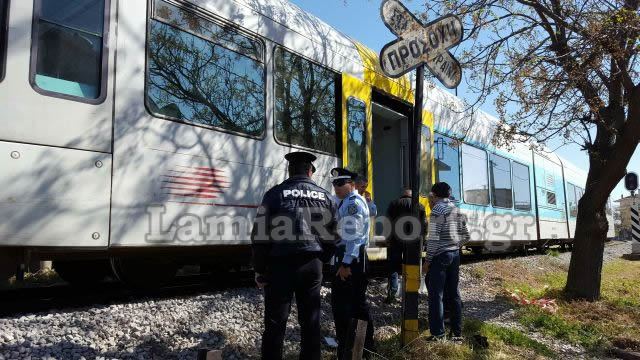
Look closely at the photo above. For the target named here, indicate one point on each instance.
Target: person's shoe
(434, 338)
(456, 339)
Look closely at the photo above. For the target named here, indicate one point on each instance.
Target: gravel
(231, 321)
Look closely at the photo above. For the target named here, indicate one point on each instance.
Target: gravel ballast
(229, 320)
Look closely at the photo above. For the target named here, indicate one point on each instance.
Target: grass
(613, 320)
(42, 277)
(504, 343)
(553, 252)
(478, 273)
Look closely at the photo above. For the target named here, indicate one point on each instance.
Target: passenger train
(140, 135)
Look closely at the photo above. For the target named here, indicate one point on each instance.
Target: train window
(204, 73)
(475, 181)
(425, 161)
(68, 59)
(572, 198)
(357, 136)
(306, 103)
(500, 173)
(447, 162)
(4, 27)
(521, 186)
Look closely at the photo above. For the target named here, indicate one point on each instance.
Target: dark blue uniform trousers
(442, 283)
(286, 276)
(349, 302)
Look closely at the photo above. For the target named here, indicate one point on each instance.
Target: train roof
(289, 25)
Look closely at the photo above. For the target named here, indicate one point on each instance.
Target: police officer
(294, 232)
(349, 288)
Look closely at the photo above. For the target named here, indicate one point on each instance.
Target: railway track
(64, 296)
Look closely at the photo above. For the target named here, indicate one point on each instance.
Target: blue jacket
(353, 225)
(296, 217)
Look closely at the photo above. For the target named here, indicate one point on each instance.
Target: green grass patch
(40, 278)
(478, 273)
(614, 319)
(508, 336)
(504, 343)
(561, 328)
(553, 252)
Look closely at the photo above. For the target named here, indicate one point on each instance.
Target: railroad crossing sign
(419, 44)
(635, 228)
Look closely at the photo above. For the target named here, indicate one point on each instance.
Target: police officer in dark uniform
(349, 288)
(293, 234)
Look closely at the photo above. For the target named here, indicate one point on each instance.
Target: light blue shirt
(353, 225)
(373, 209)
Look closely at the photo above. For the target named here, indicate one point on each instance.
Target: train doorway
(390, 150)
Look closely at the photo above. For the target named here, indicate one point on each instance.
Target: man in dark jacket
(399, 211)
(293, 234)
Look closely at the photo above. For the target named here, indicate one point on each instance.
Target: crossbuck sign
(419, 44)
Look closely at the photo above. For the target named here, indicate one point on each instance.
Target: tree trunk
(585, 269)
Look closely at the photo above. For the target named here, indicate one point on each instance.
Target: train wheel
(82, 272)
(144, 273)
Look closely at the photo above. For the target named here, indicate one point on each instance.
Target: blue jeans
(442, 281)
(393, 285)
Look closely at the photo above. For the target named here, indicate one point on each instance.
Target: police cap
(342, 173)
(297, 157)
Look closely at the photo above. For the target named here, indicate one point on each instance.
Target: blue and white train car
(140, 135)
(513, 196)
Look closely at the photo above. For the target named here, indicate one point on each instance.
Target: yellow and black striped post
(412, 248)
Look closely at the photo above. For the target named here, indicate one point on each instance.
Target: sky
(360, 19)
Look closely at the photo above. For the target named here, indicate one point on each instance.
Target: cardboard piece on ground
(358, 343)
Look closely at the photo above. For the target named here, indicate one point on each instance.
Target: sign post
(417, 46)
(631, 184)
(635, 227)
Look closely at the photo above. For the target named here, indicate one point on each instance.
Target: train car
(514, 196)
(141, 135)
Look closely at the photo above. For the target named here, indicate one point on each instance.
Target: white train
(138, 135)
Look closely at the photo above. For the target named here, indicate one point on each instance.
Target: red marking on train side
(240, 206)
(196, 183)
(197, 178)
(197, 189)
(191, 203)
(199, 174)
(196, 195)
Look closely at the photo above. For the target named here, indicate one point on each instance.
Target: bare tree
(563, 69)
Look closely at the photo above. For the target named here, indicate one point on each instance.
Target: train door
(552, 217)
(390, 152)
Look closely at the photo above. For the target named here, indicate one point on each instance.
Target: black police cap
(297, 157)
(342, 173)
